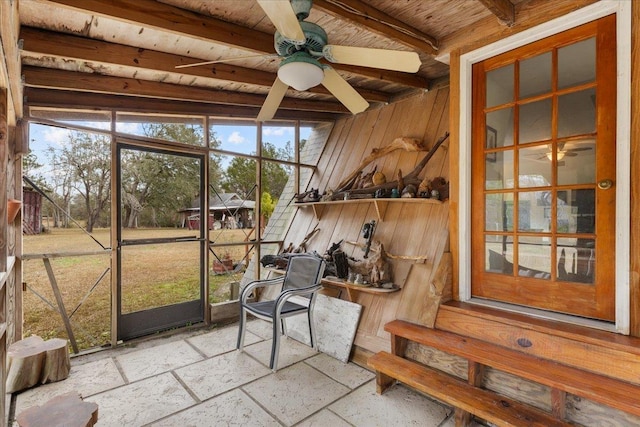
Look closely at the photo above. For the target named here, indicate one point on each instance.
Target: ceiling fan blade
(344, 91)
(274, 98)
(284, 19)
(385, 59)
(221, 61)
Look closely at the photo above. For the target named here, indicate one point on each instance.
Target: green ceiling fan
(302, 45)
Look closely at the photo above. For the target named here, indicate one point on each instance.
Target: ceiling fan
(561, 153)
(303, 44)
(564, 152)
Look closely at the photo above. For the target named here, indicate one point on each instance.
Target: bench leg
(559, 403)
(462, 418)
(383, 382)
(398, 345)
(475, 375)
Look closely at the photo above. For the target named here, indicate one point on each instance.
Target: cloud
(236, 138)
(133, 128)
(55, 135)
(277, 131)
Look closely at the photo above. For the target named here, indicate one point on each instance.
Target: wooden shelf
(353, 289)
(380, 204)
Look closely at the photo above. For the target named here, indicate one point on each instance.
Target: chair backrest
(303, 271)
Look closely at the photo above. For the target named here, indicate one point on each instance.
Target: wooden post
(61, 309)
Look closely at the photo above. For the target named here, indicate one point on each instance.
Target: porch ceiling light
(301, 71)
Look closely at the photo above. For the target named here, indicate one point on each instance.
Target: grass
(152, 276)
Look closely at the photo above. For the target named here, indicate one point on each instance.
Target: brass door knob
(605, 184)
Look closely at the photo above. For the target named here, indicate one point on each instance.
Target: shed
(226, 210)
(31, 212)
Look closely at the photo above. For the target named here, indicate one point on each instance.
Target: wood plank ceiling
(123, 53)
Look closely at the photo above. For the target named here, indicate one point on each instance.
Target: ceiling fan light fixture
(559, 154)
(301, 71)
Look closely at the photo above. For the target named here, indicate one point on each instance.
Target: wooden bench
(471, 399)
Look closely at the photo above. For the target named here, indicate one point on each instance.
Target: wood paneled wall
(406, 229)
(635, 171)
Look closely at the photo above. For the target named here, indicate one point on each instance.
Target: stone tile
(87, 379)
(324, 418)
(221, 340)
(261, 328)
(220, 374)
(291, 351)
(349, 374)
(399, 406)
(295, 393)
(153, 361)
(234, 408)
(141, 402)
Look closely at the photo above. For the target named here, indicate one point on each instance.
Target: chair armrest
(246, 291)
(285, 295)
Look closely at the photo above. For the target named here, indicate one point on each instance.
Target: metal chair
(302, 278)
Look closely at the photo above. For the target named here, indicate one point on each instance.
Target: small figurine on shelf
(312, 195)
(381, 193)
(409, 191)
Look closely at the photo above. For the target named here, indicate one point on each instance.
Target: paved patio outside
(198, 378)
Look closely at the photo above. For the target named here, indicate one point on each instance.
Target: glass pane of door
(160, 252)
(543, 236)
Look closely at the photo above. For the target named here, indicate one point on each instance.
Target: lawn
(152, 276)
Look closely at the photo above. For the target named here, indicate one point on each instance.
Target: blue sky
(236, 138)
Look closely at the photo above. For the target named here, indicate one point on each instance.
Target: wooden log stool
(33, 361)
(66, 410)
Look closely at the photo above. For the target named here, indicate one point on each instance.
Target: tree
(240, 176)
(155, 186)
(62, 179)
(87, 158)
(31, 168)
(267, 205)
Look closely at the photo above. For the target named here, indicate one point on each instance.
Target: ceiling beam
(528, 14)
(364, 15)
(49, 43)
(502, 9)
(87, 82)
(10, 59)
(185, 23)
(51, 98)
(165, 17)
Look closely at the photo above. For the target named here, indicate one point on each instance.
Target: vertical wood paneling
(406, 229)
(635, 171)
(4, 160)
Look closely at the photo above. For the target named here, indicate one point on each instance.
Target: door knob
(605, 184)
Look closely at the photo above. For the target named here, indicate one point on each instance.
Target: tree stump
(65, 410)
(33, 361)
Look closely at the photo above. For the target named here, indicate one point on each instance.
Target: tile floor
(199, 379)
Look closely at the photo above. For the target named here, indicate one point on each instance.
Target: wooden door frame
(623, 200)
